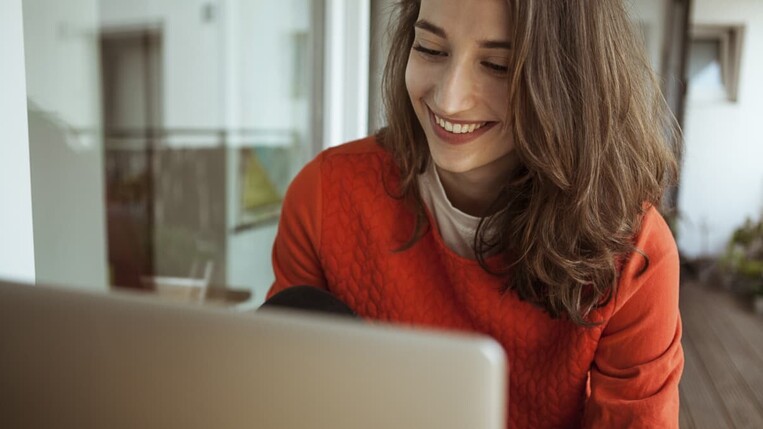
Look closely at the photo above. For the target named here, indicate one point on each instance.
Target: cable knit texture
(339, 229)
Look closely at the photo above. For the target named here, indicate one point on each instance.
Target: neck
(474, 191)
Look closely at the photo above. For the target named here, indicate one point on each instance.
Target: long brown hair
(593, 136)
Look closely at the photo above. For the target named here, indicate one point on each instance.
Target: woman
(512, 193)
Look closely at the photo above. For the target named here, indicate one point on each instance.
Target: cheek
(415, 80)
(497, 97)
(409, 79)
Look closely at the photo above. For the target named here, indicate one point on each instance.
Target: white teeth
(457, 128)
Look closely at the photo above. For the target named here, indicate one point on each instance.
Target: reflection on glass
(163, 136)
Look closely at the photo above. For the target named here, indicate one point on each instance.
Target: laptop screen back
(72, 359)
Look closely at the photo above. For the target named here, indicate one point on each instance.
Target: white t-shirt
(456, 227)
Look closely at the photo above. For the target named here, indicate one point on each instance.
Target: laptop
(74, 359)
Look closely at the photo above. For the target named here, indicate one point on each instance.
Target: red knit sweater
(338, 230)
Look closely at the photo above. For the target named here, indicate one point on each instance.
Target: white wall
(234, 70)
(62, 84)
(231, 70)
(17, 243)
(265, 61)
(191, 45)
(651, 14)
(722, 177)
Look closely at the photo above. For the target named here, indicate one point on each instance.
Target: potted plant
(743, 261)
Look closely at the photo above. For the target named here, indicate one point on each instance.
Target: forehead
(477, 19)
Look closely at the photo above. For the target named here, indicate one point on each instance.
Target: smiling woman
(457, 83)
(514, 192)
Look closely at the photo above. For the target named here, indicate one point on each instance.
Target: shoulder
(350, 154)
(654, 266)
(638, 360)
(337, 168)
(357, 166)
(365, 146)
(655, 236)
(346, 156)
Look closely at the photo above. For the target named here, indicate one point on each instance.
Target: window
(714, 62)
(163, 135)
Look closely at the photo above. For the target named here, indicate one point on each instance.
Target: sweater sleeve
(297, 244)
(639, 360)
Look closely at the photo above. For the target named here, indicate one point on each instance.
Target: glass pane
(705, 70)
(163, 136)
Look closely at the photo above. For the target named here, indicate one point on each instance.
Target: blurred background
(148, 145)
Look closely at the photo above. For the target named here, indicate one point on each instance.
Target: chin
(454, 166)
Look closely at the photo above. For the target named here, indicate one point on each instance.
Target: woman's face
(458, 84)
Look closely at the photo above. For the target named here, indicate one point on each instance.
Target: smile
(458, 128)
(458, 132)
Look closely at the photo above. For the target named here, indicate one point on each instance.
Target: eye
(429, 52)
(497, 68)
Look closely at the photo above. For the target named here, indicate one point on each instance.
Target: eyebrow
(440, 32)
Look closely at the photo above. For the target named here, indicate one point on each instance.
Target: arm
(297, 245)
(639, 360)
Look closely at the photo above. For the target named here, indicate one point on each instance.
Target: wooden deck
(722, 384)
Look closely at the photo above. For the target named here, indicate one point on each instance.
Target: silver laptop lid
(72, 359)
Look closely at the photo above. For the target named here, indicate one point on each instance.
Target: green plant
(743, 258)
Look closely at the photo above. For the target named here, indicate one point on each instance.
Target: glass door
(163, 135)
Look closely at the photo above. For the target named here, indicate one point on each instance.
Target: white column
(65, 145)
(16, 231)
(348, 30)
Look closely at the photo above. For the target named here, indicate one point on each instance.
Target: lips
(458, 127)
(461, 132)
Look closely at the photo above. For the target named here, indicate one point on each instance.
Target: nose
(456, 90)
